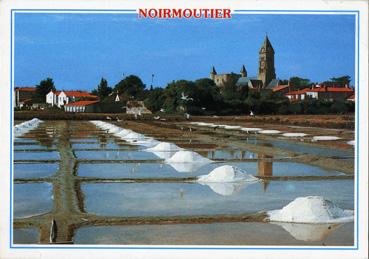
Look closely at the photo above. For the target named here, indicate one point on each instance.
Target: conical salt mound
(311, 209)
(164, 147)
(185, 156)
(227, 174)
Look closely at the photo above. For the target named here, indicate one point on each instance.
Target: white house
(61, 98)
(52, 98)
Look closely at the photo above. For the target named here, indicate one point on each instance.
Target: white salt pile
(294, 135)
(251, 129)
(351, 142)
(231, 127)
(311, 209)
(227, 174)
(147, 142)
(122, 133)
(164, 146)
(126, 134)
(186, 156)
(269, 131)
(133, 136)
(320, 138)
(26, 126)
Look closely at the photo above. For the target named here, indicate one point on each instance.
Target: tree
(155, 99)
(103, 90)
(43, 88)
(131, 86)
(298, 81)
(342, 80)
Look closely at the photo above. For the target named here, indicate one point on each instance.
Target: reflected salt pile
(231, 127)
(311, 209)
(308, 232)
(294, 134)
(269, 132)
(322, 138)
(251, 129)
(227, 180)
(26, 126)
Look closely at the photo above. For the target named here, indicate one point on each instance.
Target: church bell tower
(266, 63)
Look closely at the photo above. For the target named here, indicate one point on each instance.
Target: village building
(266, 78)
(81, 106)
(23, 96)
(61, 98)
(321, 92)
(137, 108)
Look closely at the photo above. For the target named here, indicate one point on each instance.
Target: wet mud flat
(99, 189)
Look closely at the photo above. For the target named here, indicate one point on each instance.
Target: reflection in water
(308, 232)
(187, 167)
(45, 136)
(265, 167)
(102, 140)
(227, 189)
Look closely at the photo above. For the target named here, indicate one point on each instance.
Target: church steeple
(267, 46)
(266, 62)
(213, 73)
(243, 71)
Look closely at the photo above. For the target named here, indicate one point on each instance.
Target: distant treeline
(203, 97)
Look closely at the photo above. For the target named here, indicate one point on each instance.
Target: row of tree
(204, 97)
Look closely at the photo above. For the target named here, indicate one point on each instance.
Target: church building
(266, 78)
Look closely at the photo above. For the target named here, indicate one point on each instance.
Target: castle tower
(243, 71)
(266, 63)
(213, 73)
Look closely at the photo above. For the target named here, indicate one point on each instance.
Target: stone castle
(266, 78)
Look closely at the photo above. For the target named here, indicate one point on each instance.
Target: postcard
(154, 129)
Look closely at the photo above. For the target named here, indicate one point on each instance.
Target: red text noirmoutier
(167, 13)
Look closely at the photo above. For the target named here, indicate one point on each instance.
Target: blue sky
(76, 50)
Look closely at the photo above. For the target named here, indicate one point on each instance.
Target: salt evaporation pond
(162, 170)
(26, 236)
(33, 170)
(32, 199)
(169, 199)
(30, 147)
(208, 234)
(104, 145)
(115, 155)
(48, 155)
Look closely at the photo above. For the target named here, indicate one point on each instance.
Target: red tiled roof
(322, 89)
(81, 103)
(26, 89)
(79, 94)
(56, 92)
(332, 89)
(279, 87)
